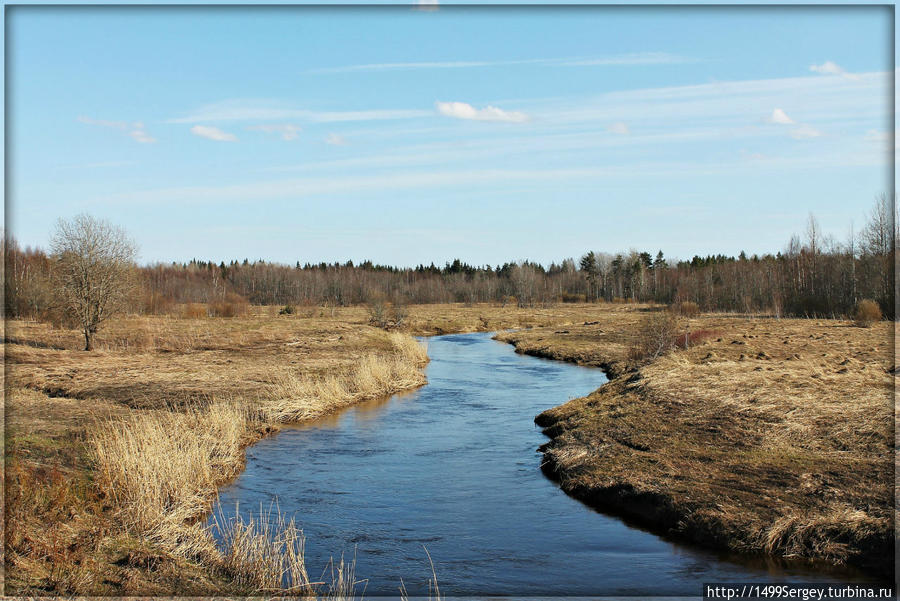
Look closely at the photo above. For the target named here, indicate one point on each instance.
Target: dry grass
(775, 436)
(458, 317)
(294, 397)
(143, 431)
(161, 468)
(867, 313)
(264, 553)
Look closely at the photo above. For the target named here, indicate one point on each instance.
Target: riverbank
(114, 458)
(766, 436)
(119, 452)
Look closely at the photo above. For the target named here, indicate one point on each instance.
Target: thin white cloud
(638, 58)
(463, 110)
(831, 68)
(266, 110)
(213, 133)
(427, 5)
(827, 68)
(779, 117)
(619, 128)
(335, 140)
(139, 135)
(134, 130)
(314, 186)
(287, 131)
(805, 132)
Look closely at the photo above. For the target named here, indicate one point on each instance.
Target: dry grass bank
(118, 453)
(770, 436)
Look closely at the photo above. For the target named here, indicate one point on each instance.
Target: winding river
(453, 468)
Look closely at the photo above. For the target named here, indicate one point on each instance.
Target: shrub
(569, 297)
(693, 338)
(194, 311)
(657, 336)
(155, 303)
(377, 313)
(287, 310)
(400, 313)
(867, 312)
(234, 305)
(686, 309)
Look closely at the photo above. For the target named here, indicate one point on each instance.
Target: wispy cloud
(266, 110)
(135, 130)
(779, 117)
(213, 133)
(638, 58)
(335, 140)
(803, 131)
(287, 131)
(734, 103)
(619, 128)
(314, 186)
(831, 68)
(138, 134)
(463, 110)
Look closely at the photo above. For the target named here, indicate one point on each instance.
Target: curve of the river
(453, 467)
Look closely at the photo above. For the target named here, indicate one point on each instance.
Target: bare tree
(94, 270)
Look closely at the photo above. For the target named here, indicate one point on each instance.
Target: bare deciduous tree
(94, 270)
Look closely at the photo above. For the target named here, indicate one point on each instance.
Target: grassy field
(770, 436)
(766, 436)
(118, 453)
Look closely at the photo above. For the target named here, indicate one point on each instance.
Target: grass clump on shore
(160, 468)
(264, 552)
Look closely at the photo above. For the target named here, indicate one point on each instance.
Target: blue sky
(405, 136)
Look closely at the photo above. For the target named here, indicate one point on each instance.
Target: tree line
(813, 275)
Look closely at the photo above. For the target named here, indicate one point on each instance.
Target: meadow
(763, 435)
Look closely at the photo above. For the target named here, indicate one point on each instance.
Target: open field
(771, 436)
(119, 452)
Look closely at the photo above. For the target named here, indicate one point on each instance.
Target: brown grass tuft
(867, 313)
(265, 552)
(161, 468)
(686, 309)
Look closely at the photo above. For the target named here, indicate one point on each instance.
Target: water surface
(453, 467)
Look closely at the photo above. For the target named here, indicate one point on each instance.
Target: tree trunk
(88, 341)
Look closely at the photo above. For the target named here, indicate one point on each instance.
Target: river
(453, 467)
